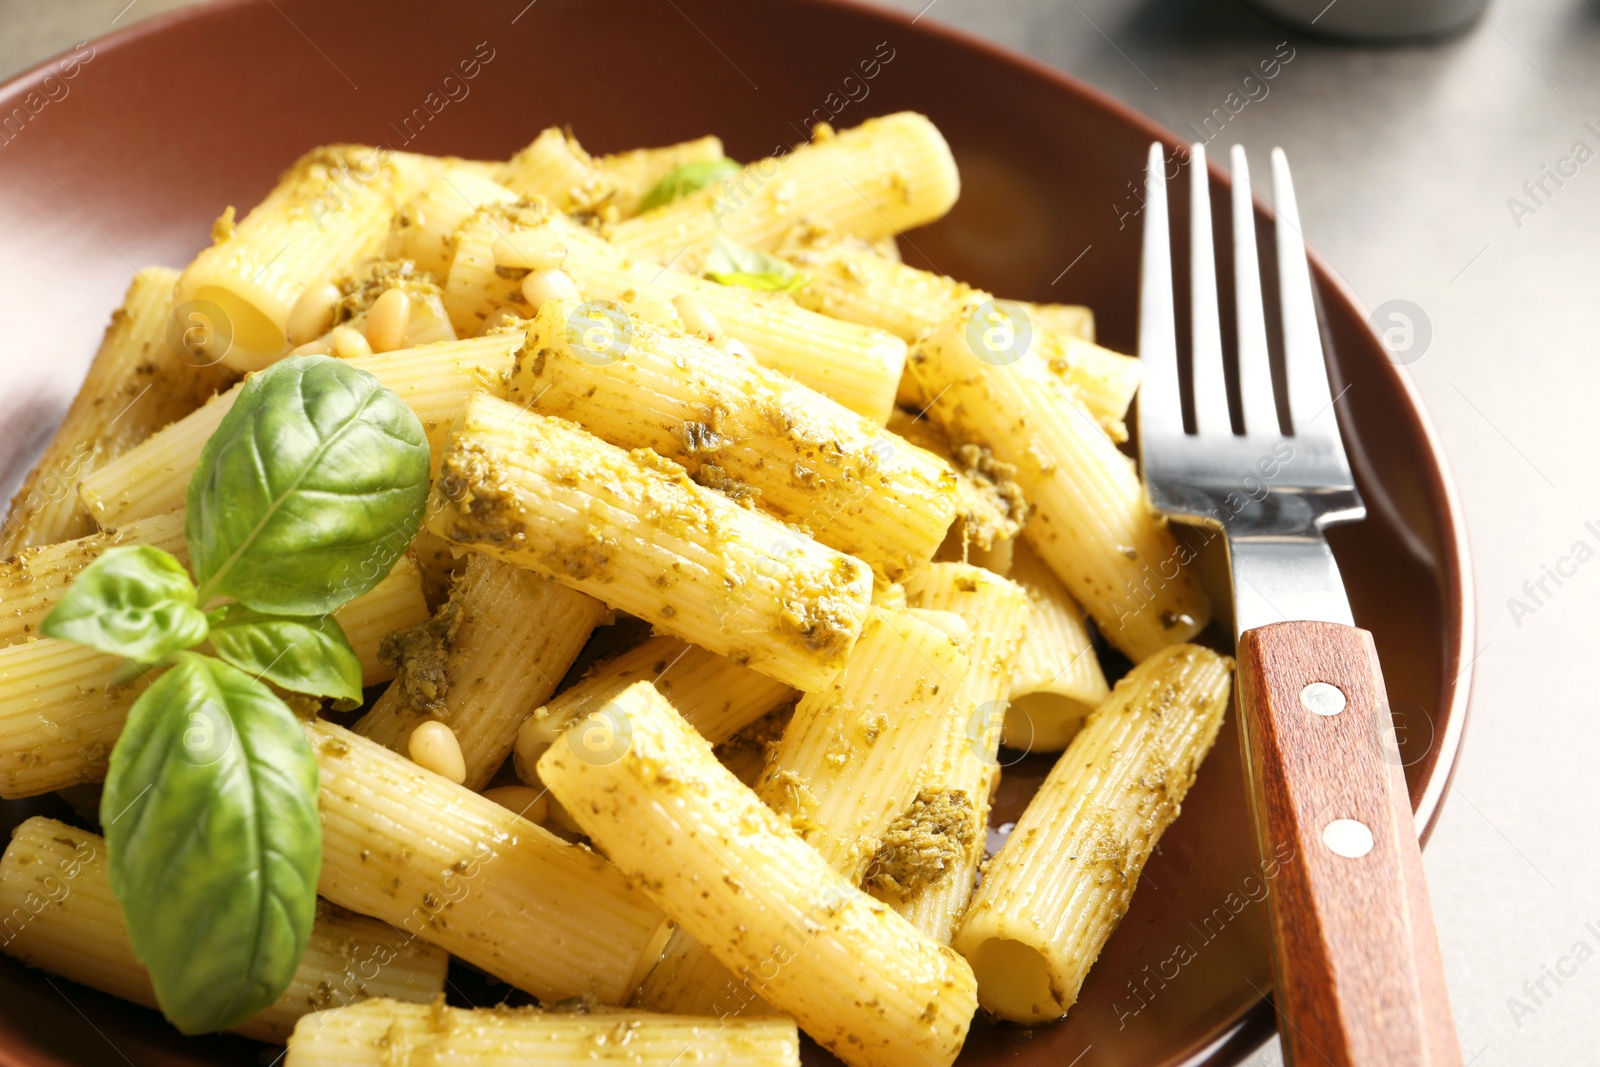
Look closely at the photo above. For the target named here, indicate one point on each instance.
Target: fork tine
(1310, 402)
(1255, 369)
(1160, 403)
(1210, 390)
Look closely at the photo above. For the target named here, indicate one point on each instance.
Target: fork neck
(1282, 566)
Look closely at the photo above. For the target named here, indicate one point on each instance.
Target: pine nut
(433, 746)
(530, 252)
(545, 285)
(348, 342)
(697, 318)
(532, 804)
(312, 314)
(312, 348)
(387, 321)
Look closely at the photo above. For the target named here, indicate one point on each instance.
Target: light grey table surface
(1408, 161)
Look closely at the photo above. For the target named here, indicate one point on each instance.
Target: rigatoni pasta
(733, 425)
(330, 212)
(927, 862)
(60, 915)
(886, 175)
(434, 380)
(858, 366)
(855, 754)
(383, 1033)
(498, 647)
(62, 705)
(33, 580)
(555, 167)
(856, 977)
(632, 175)
(137, 383)
(991, 511)
(849, 765)
(1059, 885)
(649, 389)
(424, 230)
(850, 280)
(715, 695)
(459, 871)
(1091, 523)
(633, 530)
(1057, 679)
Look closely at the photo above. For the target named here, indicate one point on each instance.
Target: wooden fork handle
(1355, 957)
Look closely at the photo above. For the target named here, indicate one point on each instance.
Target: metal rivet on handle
(1322, 698)
(1348, 838)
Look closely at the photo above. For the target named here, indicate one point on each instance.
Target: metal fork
(1355, 956)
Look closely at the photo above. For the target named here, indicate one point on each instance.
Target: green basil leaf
(686, 179)
(308, 654)
(135, 601)
(213, 840)
(311, 487)
(731, 263)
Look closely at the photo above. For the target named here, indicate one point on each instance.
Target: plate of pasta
(606, 532)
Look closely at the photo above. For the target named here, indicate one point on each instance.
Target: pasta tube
(385, 1033)
(851, 281)
(329, 212)
(62, 705)
(435, 380)
(1059, 885)
(736, 426)
(554, 166)
(857, 977)
(59, 915)
(1091, 523)
(717, 697)
(929, 858)
(459, 871)
(1057, 680)
(137, 384)
(631, 529)
(632, 175)
(850, 762)
(424, 230)
(854, 756)
(858, 366)
(990, 509)
(1067, 320)
(34, 579)
(688, 980)
(886, 175)
(499, 646)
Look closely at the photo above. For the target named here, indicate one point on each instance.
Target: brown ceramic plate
(129, 151)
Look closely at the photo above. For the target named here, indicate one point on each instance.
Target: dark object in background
(1373, 20)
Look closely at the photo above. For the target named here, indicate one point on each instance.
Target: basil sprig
(688, 178)
(731, 263)
(305, 496)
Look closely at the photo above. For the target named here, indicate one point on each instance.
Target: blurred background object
(1373, 20)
